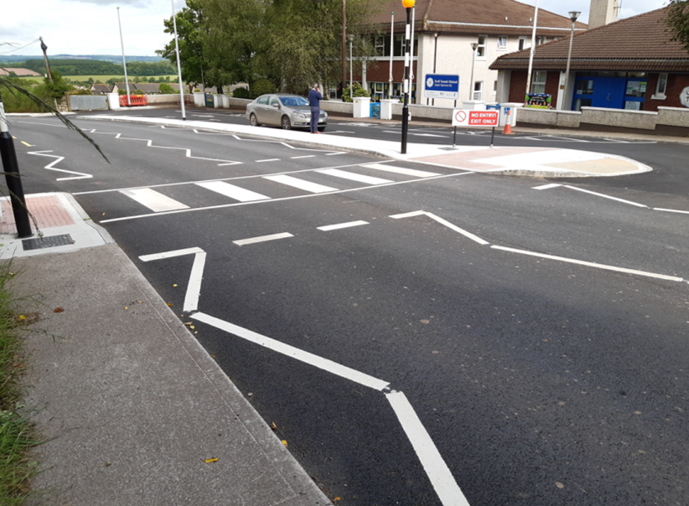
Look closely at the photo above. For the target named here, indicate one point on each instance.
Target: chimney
(603, 12)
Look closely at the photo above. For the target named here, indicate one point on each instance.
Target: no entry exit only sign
(488, 119)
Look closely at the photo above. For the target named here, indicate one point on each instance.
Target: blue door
(609, 92)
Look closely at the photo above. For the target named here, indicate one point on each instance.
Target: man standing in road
(315, 98)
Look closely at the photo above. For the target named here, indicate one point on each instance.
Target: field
(102, 79)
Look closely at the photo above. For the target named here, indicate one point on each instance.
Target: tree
(678, 21)
(190, 33)
(166, 89)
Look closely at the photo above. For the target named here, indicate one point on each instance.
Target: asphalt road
(538, 335)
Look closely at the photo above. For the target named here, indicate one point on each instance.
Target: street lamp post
(573, 15)
(408, 5)
(351, 68)
(179, 68)
(474, 46)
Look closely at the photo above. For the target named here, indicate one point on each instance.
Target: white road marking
(191, 299)
(79, 175)
(336, 153)
(268, 160)
(443, 482)
(155, 201)
(300, 184)
(300, 157)
(546, 186)
(295, 353)
(606, 196)
(670, 210)
(591, 264)
(353, 176)
(400, 170)
(339, 226)
(444, 222)
(263, 238)
(430, 135)
(232, 191)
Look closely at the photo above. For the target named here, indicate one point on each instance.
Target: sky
(91, 26)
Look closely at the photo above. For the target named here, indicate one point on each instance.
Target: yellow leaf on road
(214, 459)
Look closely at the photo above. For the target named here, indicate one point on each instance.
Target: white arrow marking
(191, 300)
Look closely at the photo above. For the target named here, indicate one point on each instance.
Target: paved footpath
(134, 411)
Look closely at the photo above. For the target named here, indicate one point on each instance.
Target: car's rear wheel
(286, 124)
(254, 120)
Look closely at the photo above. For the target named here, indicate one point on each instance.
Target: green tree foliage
(359, 91)
(191, 40)
(261, 87)
(101, 68)
(678, 21)
(59, 87)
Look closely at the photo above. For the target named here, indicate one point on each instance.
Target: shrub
(241, 93)
(358, 92)
(261, 87)
(166, 89)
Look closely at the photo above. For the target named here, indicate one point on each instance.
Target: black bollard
(14, 182)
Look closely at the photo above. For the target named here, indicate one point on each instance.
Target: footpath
(133, 409)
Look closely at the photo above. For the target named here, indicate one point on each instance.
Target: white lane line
(300, 184)
(430, 135)
(443, 482)
(336, 153)
(295, 353)
(268, 160)
(591, 264)
(191, 299)
(670, 210)
(263, 238)
(232, 191)
(155, 201)
(338, 226)
(400, 170)
(78, 175)
(353, 176)
(300, 157)
(275, 200)
(546, 186)
(444, 222)
(606, 196)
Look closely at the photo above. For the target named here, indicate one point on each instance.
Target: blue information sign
(442, 86)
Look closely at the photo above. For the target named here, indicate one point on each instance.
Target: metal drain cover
(47, 242)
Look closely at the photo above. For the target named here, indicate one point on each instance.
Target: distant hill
(91, 67)
(15, 58)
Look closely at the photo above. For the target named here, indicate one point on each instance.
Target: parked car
(285, 111)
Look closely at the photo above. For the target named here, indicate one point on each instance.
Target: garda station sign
(442, 86)
(461, 117)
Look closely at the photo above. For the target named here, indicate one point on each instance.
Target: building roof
(639, 43)
(19, 72)
(148, 87)
(103, 88)
(496, 17)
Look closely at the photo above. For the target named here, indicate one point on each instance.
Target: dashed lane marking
(263, 238)
(338, 226)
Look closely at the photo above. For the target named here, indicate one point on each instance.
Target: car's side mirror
(277, 106)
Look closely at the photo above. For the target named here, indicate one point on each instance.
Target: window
(522, 43)
(661, 87)
(478, 90)
(495, 87)
(540, 40)
(538, 81)
(382, 45)
(399, 45)
(263, 100)
(481, 49)
(502, 42)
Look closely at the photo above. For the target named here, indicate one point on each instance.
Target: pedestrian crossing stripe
(155, 201)
(232, 191)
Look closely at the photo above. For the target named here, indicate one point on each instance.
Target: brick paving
(48, 211)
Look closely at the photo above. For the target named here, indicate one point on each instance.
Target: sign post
(475, 119)
(442, 86)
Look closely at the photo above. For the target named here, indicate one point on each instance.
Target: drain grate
(47, 242)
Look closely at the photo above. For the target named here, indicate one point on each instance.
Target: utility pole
(13, 179)
(344, 44)
(45, 58)
(179, 68)
(124, 61)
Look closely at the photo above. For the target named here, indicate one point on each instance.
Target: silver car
(286, 111)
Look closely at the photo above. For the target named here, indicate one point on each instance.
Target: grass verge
(16, 433)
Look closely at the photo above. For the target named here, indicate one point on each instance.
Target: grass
(16, 433)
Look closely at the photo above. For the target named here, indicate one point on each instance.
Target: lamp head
(574, 15)
(408, 4)
(350, 37)
(474, 45)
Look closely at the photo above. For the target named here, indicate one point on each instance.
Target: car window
(274, 101)
(294, 101)
(262, 100)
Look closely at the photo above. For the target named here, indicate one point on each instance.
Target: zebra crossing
(262, 188)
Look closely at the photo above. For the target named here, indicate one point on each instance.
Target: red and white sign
(461, 117)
